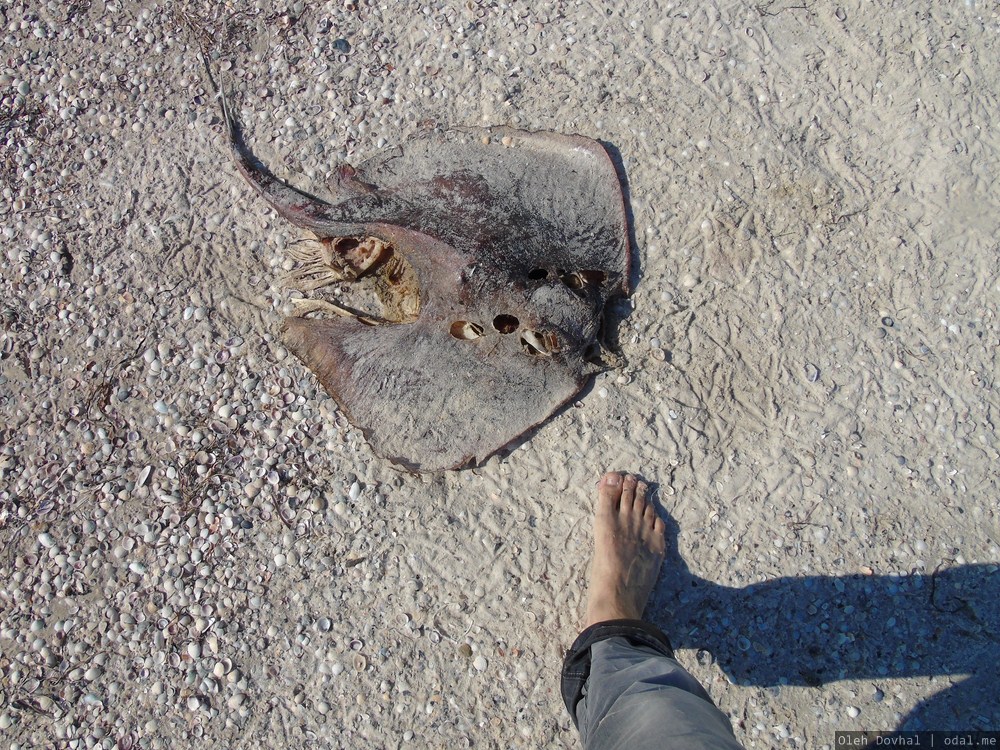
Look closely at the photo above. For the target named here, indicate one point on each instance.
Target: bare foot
(628, 550)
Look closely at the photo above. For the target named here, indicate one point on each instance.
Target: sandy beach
(197, 549)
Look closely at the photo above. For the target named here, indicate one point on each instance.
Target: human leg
(620, 681)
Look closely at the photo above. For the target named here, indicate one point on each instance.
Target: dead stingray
(490, 253)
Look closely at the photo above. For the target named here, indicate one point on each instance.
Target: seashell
(222, 668)
(360, 662)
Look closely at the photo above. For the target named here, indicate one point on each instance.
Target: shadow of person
(813, 630)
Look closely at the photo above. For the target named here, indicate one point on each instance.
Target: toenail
(612, 480)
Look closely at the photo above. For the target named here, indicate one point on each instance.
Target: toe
(659, 539)
(609, 492)
(628, 493)
(640, 504)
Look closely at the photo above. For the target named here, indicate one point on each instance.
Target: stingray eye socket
(465, 330)
(506, 323)
(537, 274)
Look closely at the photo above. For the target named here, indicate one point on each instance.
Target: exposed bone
(312, 277)
(398, 289)
(360, 255)
(314, 269)
(320, 264)
(551, 343)
(305, 306)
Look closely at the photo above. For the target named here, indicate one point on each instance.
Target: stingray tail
(299, 207)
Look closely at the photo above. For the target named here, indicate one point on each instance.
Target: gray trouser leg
(636, 698)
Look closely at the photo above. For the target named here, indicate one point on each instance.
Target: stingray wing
(424, 399)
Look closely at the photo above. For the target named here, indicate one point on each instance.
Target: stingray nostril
(506, 323)
(536, 274)
(465, 330)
